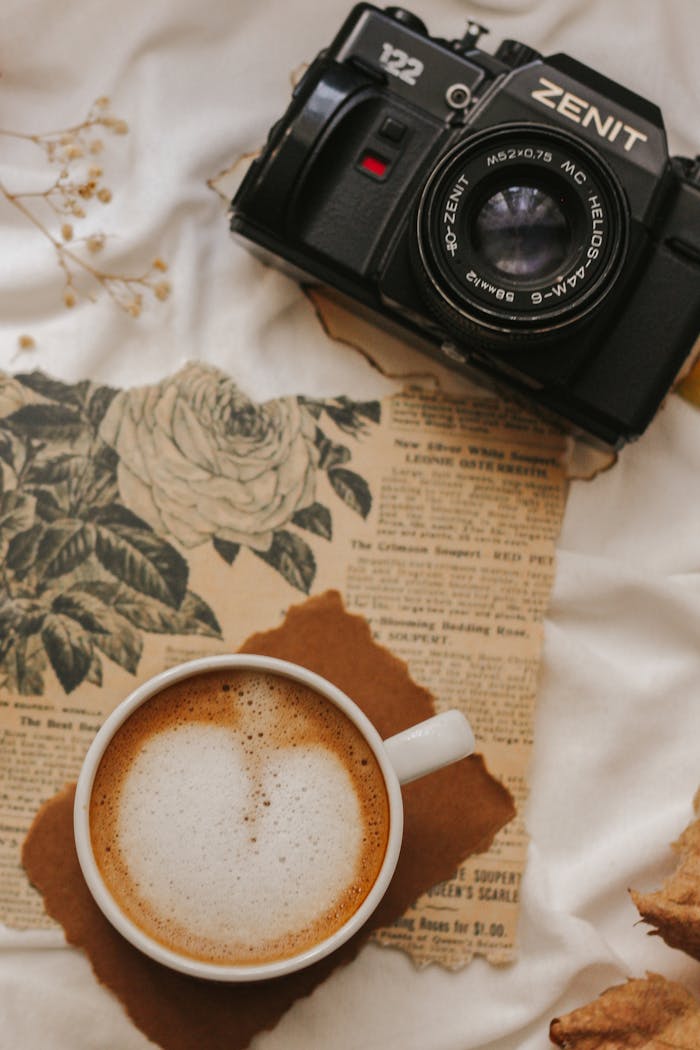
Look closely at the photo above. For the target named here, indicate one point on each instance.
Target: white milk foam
(239, 817)
(222, 876)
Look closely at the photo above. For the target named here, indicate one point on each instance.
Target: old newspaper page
(146, 526)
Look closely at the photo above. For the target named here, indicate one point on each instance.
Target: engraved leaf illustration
(144, 560)
(196, 616)
(16, 512)
(47, 506)
(25, 668)
(68, 648)
(193, 617)
(330, 454)
(312, 406)
(30, 678)
(371, 410)
(227, 550)
(117, 514)
(99, 402)
(10, 615)
(7, 452)
(45, 422)
(111, 633)
(122, 645)
(292, 558)
(348, 415)
(21, 615)
(54, 389)
(22, 550)
(63, 546)
(316, 519)
(94, 672)
(352, 489)
(84, 609)
(52, 471)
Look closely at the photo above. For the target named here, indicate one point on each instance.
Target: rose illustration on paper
(200, 461)
(104, 492)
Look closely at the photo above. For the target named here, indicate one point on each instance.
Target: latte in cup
(239, 817)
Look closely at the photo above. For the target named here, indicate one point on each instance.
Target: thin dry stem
(67, 198)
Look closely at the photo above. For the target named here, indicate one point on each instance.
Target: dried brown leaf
(674, 910)
(643, 1014)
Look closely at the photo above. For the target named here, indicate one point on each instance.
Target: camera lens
(521, 232)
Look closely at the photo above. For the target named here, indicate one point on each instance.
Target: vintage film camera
(519, 215)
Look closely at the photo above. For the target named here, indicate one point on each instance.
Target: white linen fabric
(617, 745)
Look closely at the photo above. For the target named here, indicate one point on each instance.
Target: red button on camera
(374, 165)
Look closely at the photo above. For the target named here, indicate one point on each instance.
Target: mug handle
(430, 745)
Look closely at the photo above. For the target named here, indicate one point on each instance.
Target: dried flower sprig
(79, 182)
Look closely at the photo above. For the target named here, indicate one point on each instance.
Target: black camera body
(519, 216)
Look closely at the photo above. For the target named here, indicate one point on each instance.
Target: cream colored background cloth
(617, 748)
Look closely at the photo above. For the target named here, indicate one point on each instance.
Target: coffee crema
(239, 817)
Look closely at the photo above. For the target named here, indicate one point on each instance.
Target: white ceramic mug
(422, 749)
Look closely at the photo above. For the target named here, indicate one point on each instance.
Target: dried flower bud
(69, 298)
(162, 290)
(73, 152)
(96, 146)
(120, 127)
(26, 342)
(77, 211)
(67, 231)
(158, 264)
(95, 172)
(104, 195)
(95, 243)
(102, 102)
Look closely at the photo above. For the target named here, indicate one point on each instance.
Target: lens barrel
(521, 232)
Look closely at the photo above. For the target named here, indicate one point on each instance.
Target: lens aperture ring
(521, 232)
